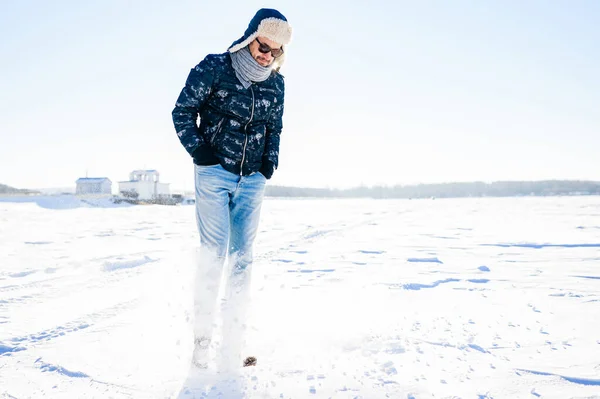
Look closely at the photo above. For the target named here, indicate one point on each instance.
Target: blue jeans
(227, 213)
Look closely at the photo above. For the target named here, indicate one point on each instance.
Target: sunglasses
(264, 48)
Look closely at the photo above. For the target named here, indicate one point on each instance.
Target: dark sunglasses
(264, 48)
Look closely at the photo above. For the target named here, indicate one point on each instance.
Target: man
(239, 97)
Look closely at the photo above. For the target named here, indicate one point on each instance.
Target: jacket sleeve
(274, 128)
(192, 98)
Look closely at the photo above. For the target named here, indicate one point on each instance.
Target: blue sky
(379, 93)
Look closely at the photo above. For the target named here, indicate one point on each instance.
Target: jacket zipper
(246, 133)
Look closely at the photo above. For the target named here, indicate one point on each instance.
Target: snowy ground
(469, 298)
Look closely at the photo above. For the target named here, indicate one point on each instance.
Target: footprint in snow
(126, 264)
(6, 350)
(370, 252)
(47, 367)
(389, 369)
(283, 260)
(425, 260)
(22, 274)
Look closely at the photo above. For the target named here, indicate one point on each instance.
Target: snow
(66, 201)
(467, 298)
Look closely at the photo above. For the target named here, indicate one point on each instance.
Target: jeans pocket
(201, 168)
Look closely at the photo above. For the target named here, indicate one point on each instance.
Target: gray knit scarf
(247, 69)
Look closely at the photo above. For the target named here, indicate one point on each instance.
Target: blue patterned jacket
(242, 126)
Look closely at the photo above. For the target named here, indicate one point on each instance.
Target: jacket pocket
(217, 131)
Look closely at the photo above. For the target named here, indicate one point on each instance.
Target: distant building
(93, 186)
(144, 185)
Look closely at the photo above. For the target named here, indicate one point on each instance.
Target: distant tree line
(441, 190)
(448, 190)
(4, 189)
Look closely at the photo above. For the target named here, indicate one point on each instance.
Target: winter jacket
(241, 126)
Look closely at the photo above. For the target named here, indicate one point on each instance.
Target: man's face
(264, 59)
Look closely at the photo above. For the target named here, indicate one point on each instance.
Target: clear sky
(378, 92)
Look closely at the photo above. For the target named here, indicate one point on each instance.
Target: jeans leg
(213, 189)
(245, 209)
(212, 216)
(244, 214)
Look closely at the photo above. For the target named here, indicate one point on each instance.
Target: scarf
(247, 69)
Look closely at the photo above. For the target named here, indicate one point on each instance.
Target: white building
(93, 186)
(144, 185)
